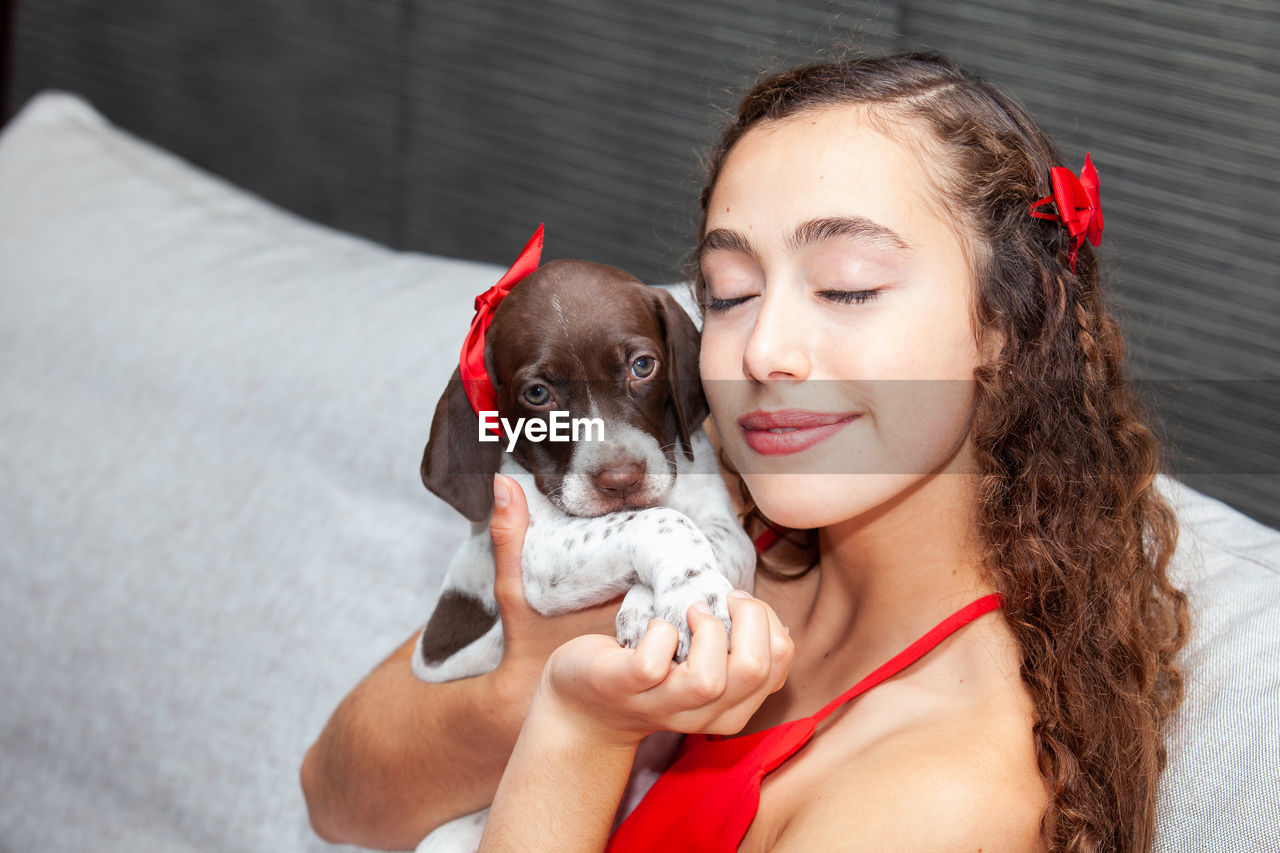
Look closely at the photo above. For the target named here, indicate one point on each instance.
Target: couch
(212, 523)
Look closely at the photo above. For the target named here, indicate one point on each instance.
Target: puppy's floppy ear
(682, 345)
(456, 465)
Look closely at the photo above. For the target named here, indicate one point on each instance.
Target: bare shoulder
(919, 768)
(930, 791)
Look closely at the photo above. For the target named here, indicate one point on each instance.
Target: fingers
(761, 647)
(754, 664)
(716, 689)
(651, 661)
(750, 655)
(507, 527)
(706, 672)
(701, 679)
(593, 670)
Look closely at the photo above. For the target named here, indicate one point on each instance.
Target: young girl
(871, 223)
(907, 355)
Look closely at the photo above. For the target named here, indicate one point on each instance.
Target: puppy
(635, 505)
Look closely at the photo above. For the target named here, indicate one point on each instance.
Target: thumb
(507, 527)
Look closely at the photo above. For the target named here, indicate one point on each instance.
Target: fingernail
(501, 492)
(739, 593)
(702, 607)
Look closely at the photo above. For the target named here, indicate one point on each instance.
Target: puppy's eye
(537, 395)
(643, 367)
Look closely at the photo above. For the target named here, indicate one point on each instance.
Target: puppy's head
(616, 358)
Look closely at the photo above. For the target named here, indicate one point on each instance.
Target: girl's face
(837, 339)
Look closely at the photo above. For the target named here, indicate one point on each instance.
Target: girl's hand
(618, 695)
(528, 636)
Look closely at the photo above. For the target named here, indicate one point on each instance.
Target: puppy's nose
(619, 480)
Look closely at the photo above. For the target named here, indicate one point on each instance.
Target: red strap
(707, 799)
(765, 540)
(915, 651)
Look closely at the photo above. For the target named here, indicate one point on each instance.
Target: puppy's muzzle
(619, 482)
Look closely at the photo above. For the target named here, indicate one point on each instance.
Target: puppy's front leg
(700, 493)
(634, 615)
(677, 562)
(576, 563)
(590, 560)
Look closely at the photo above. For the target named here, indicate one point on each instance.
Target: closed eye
(850, 297)
(714, 304)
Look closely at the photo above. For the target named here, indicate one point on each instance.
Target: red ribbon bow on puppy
(475, 379)
(1077, 203)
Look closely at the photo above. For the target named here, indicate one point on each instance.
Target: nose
(619, 480)
(778, 345)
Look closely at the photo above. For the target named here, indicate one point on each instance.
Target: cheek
(717, 383)
(723, 403)
(719, 354)
(921, 423)
(923, 347)
(952, 349)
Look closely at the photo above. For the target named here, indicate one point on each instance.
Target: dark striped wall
(455, 128)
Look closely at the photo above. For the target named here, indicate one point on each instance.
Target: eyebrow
(813, 231)
(857, 227)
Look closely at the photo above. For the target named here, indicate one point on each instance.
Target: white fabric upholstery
(211, 522)
(1221, 789)
(211, 517)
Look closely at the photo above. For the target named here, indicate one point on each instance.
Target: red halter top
(708, 797)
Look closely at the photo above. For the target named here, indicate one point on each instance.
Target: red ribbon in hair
(475, 379)
(1077, 203)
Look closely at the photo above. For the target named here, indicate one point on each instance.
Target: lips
(790, 430)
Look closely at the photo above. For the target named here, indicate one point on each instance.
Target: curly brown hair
(1075, 536)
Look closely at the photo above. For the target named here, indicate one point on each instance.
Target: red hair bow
(1077, 203)
(475, 379)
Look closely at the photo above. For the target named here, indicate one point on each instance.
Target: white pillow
(1221, 789)
(211, 522)
(211, 517)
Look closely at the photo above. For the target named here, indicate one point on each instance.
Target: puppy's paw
(683, 589)
(634, 615)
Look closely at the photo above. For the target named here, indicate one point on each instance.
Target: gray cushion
(1221, 790)
(211, 522)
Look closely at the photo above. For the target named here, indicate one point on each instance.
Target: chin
(804, 501)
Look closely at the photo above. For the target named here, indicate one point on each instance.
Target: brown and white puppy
(638, 507)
